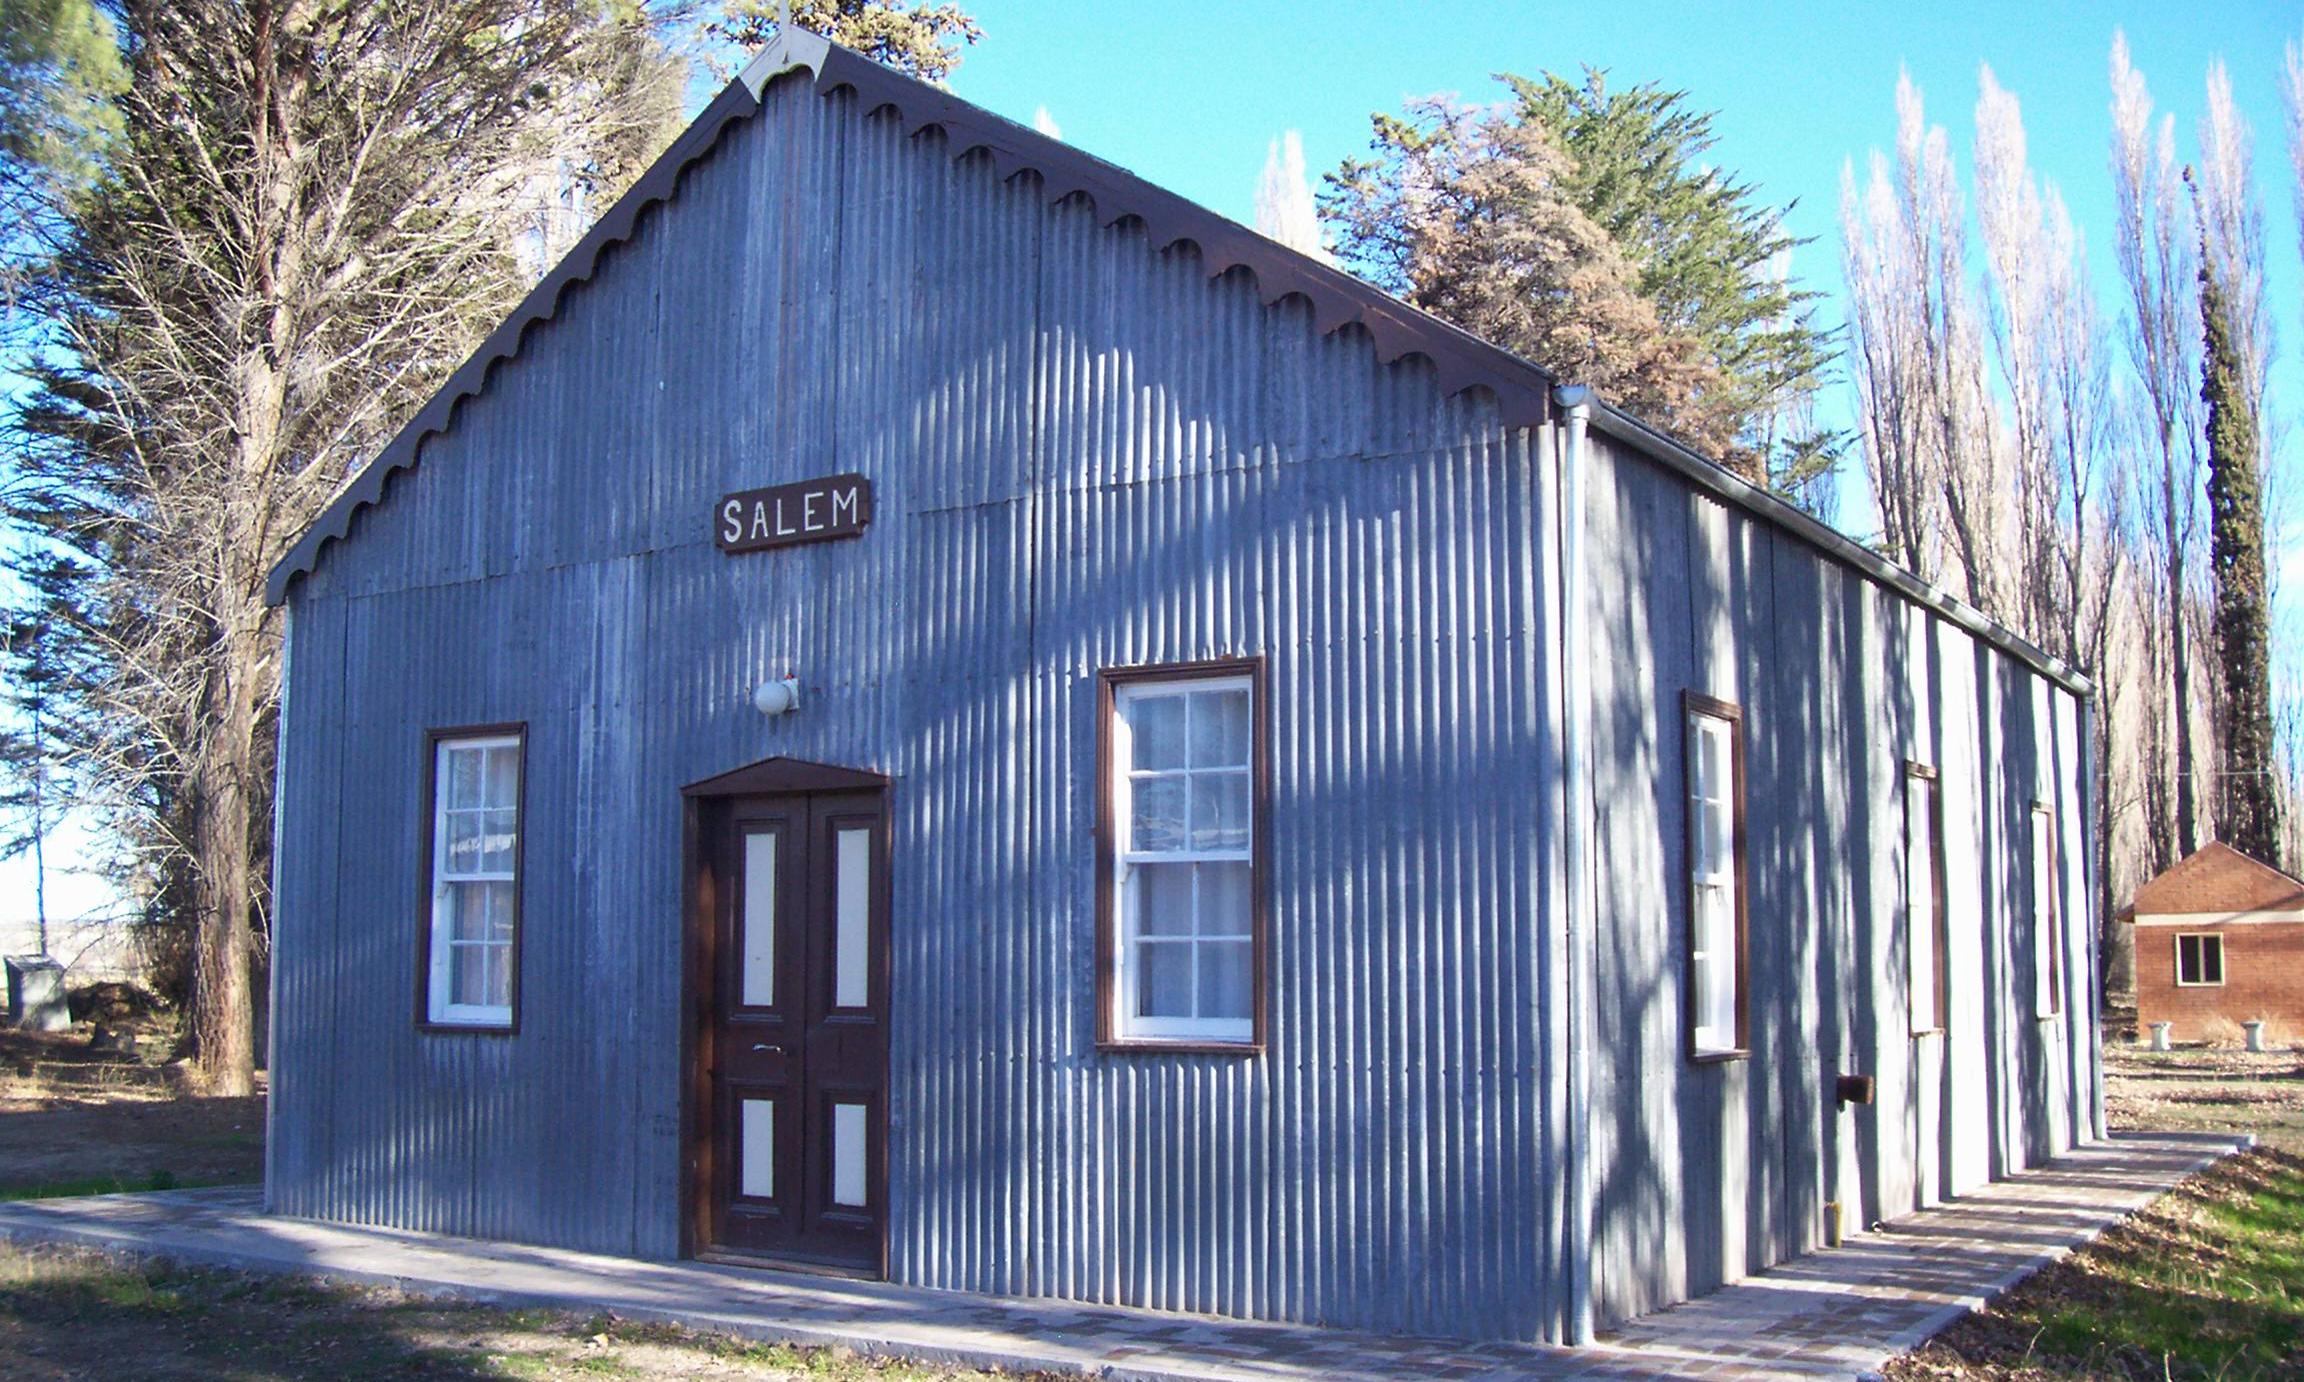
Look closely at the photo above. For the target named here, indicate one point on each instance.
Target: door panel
(796, 1048)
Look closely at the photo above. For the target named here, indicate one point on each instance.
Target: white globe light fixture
(777, 696)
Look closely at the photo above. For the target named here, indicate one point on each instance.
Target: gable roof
(1462, 360)
(1525, 393)
(2218, 878)
(782, 774)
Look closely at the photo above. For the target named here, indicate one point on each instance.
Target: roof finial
(783, 15)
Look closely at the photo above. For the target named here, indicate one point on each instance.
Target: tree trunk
(2180, 660)
(223, 1007)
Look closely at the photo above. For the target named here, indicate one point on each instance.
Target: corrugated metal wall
(1709, 1172)
(1087, 455)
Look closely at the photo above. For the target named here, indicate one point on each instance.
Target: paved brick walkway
(1834, 1314)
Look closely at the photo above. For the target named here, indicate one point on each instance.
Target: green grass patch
(94, 1185)
(2207, 1282)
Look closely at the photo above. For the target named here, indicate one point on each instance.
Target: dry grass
(2208, 1089)
(2207, 1282)
(69, 1313)
(74, 1120)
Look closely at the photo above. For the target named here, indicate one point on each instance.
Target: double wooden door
(795, 1048)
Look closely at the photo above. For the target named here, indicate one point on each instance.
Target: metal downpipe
(1575, 403)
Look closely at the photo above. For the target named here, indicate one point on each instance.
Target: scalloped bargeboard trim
(1462, 361)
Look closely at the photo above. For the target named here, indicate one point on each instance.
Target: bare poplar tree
(1285, 210)
(1933, 442)
(1992, 432)
(315, 213)
(2158, 260)
(2049, 341)
(2066, 445)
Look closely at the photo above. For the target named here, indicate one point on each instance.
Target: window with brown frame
(1180, 856)
(2047, 935)
(470, 904)
(1925, 939)
(1718, 998)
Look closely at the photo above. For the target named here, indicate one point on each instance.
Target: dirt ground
(68, 1313)
(2207, 1089)
(2204, 1283)
(71, 1117)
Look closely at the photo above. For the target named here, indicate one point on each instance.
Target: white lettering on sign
(808, 511)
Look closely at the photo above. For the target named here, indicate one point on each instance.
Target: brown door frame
(702, 804)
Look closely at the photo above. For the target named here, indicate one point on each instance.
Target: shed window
(2047, 944)
(1924, 934)
(2200, 960)
(1716, 977)
(1181, 869)
(472, 902)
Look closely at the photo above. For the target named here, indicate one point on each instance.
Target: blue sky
(1189, 95)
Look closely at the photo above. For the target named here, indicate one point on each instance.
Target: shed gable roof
(2218, 878)
(1462, 361)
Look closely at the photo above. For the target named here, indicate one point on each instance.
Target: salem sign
(803, 511)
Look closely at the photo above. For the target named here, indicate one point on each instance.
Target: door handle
(760, 1046)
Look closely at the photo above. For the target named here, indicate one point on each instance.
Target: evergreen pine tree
(2247, 806)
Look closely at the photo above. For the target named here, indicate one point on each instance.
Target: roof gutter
(1710, 476)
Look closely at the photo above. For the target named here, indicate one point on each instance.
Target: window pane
(468, 977)
(1157, 725)
(1714, 831)
(757, 1137)
(1159, 899)
(759, 942)
(497, 899)
(503, 776)
(497, 845)
(1225, 908)
(1923, 961)
(852, 906)
(1704, 776)
(1220, 729)
(1220, 810)
(463, 777)
(1159, 813)
(467, 905)
(496, 988)
(2212, 958)
(1227, 974)
(1920, 901)
(463, 842)
(1715, 969)
(1164, 987)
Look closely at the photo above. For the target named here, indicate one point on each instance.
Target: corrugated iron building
(1507, 1015)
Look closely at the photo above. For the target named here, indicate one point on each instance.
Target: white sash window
(1182, 870)
(1716, 970)
(473, 914)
